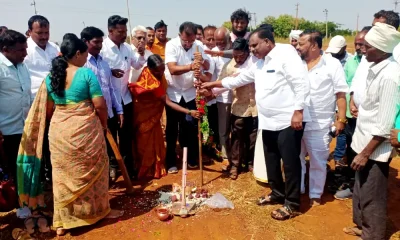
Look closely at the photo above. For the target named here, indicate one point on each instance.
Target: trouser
(370, 200)
(124, 136)
(350, 154)
(284, 144)
(10, 147)
(316, 144)
(224, 118)
(243, 140)
(112, 124)
(343, 141)
(213, 121)
(188, 132)
(46, 164)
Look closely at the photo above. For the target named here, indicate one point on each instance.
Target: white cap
(336, 44)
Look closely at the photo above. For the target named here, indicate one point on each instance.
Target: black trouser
(370, 200)
(286, 145)
(10, 147)
(243, 140)
(213, 121)
(125, 136)
(349, 131)
(187, 127)
(46, 164)
(112, 124)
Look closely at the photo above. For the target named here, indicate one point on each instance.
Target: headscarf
(383, 37)
(295, 34)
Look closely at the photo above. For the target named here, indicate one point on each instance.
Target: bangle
(342, 120)
(189, 113)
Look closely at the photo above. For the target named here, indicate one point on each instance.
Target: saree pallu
(80, 166)
(148, 144)
(30, 153)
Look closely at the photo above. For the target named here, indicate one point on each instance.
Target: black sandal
(284, 213)
(267, 200)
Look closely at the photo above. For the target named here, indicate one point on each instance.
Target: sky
(71, 16)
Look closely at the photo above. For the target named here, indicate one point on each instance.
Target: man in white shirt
(282, 112)
(38, 61)
(376, 117)
(40, 51)
(120, 57)
(223, 102)
(15, 95)
(328, 88)
(184, 65)
(139, 33)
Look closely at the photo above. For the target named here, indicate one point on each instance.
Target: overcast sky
(70, 16)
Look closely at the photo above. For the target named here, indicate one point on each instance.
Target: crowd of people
(58, 103)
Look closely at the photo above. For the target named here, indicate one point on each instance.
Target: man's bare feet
(115, 214)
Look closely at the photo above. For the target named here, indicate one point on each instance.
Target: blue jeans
(340, 150)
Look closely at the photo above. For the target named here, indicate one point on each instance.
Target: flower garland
(208, 139)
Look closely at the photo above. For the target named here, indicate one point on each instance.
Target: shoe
(315, 202)
(192, 166)
(173, 170)
(343, 194)
(113, 174)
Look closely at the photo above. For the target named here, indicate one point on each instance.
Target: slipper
(30, 224)
(173, 170)
(19, 234)
(353, 231)
(43, 224)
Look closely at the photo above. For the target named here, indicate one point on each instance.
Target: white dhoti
(316, 144)
(259, 168)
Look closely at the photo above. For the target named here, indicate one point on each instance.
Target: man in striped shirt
(376, 117)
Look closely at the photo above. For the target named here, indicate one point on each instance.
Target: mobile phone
(332, 131)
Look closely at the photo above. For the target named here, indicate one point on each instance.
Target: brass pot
(163, 214)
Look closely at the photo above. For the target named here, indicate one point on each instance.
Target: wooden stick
(184, 172)
(200, 144)
(121, 164)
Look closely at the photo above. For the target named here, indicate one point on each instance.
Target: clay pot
(163, 214)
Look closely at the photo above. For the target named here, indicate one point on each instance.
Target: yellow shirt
(158, 48)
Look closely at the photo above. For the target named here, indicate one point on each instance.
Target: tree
(228, 25)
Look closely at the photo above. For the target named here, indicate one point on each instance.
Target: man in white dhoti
(328, 88)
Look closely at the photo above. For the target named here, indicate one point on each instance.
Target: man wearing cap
(376, 117)
(294, 37)
(337, 48)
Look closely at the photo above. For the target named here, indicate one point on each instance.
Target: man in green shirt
(347, 136)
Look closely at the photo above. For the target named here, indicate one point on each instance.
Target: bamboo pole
(200, 142)
(121, 164)
(129, 20)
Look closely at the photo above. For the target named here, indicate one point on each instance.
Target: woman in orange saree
(149, 99)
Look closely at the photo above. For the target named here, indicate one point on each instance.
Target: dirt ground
(246, 222)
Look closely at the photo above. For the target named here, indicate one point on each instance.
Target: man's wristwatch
(342, 120)
(189, 113)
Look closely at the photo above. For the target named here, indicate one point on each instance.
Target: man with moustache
(184, 64)
(199, 33)
(282, 119)
(139, 34)
(120, 57)
(209, 40)
(161, 40)
(150, 38)
(93, 37)
(337, 48)
(240, 20)
(328, 89)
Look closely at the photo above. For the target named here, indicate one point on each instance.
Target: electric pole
(395, 4)
(297, 16)
(255, 19)
(129, 19)
(358, 17)
(34, 6)
(326, 22)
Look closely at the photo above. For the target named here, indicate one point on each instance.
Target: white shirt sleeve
(297, 77)
(339, 79)
(242, 79)
(171, 53)
(136, 62)
(389, 96)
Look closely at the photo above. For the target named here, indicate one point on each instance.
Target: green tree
(228, 25)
